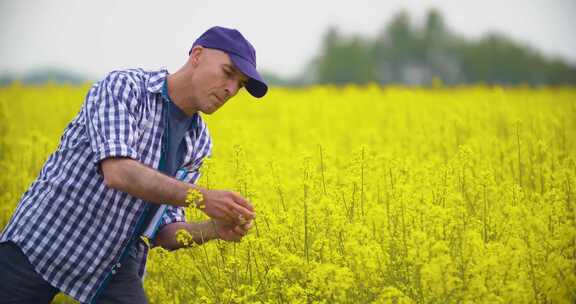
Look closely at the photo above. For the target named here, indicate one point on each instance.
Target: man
(78, 227)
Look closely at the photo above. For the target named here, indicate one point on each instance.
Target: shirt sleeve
(174, 214)
(110, 118)
(204, 150)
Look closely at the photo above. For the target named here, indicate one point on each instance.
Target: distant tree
(558, 72)
(439, 49)
(399, 45)
(435, 32)
(344, 60)
(497, 59)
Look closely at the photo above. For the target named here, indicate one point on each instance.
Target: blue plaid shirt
(71, 226)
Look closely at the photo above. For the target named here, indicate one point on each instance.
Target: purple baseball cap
(241, 53)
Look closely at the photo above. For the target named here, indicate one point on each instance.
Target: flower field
(363, 194)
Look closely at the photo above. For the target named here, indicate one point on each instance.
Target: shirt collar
(165, 91)
(156, 81)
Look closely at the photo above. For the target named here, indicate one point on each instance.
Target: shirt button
(113, 271)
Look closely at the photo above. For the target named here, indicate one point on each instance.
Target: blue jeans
(19, 283)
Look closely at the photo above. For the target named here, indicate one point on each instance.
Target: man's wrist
(201, 232)
(194, 198)
(214, 229)
(209, 230)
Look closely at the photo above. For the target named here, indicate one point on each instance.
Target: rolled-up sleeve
(110, 118)
(172, 215)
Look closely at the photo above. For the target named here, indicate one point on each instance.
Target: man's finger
(240, 210)
(248, 225)
(239, 230)
(242, 201)
(227, 214)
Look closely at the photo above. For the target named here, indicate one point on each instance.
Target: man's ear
(195, 55)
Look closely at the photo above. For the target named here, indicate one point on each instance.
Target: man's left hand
(231, 232)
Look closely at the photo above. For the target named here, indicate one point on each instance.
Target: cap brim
(255, 85)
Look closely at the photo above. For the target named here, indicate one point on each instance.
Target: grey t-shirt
(178, 125)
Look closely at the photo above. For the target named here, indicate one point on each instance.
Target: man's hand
(231, 232)
(227, 206)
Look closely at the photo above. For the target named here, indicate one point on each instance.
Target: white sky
(94, 37)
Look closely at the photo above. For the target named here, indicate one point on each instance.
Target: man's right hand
(227, 205)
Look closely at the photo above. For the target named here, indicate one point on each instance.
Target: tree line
(419, 55)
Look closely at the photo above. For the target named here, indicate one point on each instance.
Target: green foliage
(345, 61)
(405, 53)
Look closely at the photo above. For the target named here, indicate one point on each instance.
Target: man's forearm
(201, 232)
(136, 179)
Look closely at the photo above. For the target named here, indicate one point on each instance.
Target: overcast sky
(94, 37)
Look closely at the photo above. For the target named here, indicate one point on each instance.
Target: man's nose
(232, 87)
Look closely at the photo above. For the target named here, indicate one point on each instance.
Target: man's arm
(136, 179)
(201, 232)
(132, 177)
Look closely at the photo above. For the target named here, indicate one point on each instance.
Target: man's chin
(210, 109)
(212, 106)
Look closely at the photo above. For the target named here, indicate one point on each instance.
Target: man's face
(215, 79)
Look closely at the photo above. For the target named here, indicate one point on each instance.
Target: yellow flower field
(363, 194)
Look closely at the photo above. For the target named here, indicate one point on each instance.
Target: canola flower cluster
(363, 194)
(194, 198)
